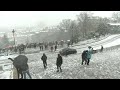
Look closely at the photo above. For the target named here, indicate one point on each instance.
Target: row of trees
(87, 26)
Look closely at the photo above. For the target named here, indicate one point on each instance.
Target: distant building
(114, 27)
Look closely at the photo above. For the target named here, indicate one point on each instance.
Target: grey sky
(11, 19)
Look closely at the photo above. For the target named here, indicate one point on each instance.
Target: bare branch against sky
(11, 19)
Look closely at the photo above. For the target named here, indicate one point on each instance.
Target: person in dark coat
(40, 45)
(20, 63)
(25, 70)
(55, 47)
(51, 48)
(89, 54)
(84, 57)
(59, 63)
(101, 50)
(44, 59)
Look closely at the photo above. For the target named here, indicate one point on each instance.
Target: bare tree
(65, 25)
(103, 29)
(64, 28)
(116, 17)
(74, 31)
(84, 19)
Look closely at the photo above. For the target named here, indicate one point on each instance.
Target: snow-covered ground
(111, 42)
(72, 64)
(104, 65)
(6, 57)
(6, 71)
(6, 67)
(107, 42)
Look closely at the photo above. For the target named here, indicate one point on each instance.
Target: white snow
(6, 71)
(6, 75)
(115, 24)
(6, 57)
(6, 66)
(108, 38)
(113, 43)
(110, 44)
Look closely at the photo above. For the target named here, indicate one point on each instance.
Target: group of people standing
(86, 56)
(51, 45)
(59, 62)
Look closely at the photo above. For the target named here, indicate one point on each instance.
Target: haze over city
(59, 45)
(13, 19)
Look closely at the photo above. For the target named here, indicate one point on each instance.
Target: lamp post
(13, 35)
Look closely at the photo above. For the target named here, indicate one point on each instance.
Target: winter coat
(44, 58)
(20, 61)
(59, 61)
(55, 46)
(84, 54)
(89, 54)
(24, 67)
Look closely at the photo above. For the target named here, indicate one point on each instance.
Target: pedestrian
(51, 48)
(84, 57)
(89, 54)
(25, 71)
(44, 59)
(40, 46)
(101, 50)
(20, 63)
(59, 62)
(55, 47)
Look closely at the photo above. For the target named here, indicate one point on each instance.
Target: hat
(89, 47)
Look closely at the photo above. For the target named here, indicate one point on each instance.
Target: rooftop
(115, 24)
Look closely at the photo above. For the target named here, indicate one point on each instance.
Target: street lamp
(13, 35)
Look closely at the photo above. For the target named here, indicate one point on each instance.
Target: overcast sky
(11, 19)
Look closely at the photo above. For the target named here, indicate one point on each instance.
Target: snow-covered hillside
(100, 66)
(6, 67)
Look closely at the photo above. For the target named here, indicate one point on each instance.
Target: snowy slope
(6, 67)
(104, 65)
(71, 63)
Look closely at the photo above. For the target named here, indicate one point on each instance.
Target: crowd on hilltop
(21, 61)
(20, 48)
(22, 67)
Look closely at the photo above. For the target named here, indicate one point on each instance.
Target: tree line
(85, 26)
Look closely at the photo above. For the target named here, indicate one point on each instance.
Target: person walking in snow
(44, 59)
(84, 57)
(89, 54)
(55, 47)
(101, 50)
(25, 71)
(51, 48)
(59, 62)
